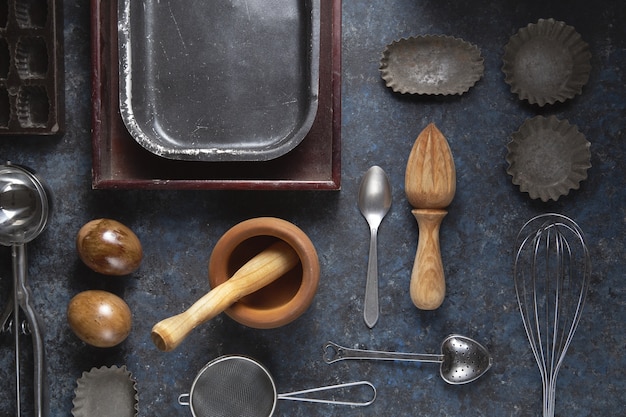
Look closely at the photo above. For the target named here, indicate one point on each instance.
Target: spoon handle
(370, 305)
(428, 284)
(335, 353)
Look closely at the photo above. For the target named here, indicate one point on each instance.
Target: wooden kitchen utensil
(261, 270)
(430, 184)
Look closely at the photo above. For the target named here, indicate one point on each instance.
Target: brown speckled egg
(108, 247)
(99, 318)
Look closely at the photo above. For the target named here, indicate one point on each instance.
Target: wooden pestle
(261, 270)
(430, 184)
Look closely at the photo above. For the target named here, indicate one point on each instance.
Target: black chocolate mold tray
(31, 67)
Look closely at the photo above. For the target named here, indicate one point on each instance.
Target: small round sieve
(239, 386)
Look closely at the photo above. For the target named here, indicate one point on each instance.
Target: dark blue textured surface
(178, 230)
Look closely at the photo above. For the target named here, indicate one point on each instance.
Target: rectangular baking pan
(119, 162)
(219, 81)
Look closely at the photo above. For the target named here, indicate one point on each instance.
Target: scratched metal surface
(254, 64)
(178, 230)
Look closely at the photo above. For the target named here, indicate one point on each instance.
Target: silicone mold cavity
(31, 13)
(31, 58)
(33, 107)
(4, 13)
(5, 58)
(5, 108)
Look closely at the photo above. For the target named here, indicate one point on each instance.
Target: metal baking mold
(548, 157)
(31, 68)
(546, 62)
(431, 65)
(106, 392)
(219, 81)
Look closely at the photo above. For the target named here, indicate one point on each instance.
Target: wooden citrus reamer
(430, 184)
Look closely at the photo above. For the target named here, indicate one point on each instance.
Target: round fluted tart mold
(546, 62)
(106, 392)
(548, 157)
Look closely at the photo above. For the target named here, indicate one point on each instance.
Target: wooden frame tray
(119, 162)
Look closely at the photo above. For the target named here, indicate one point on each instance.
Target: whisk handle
(428, 284)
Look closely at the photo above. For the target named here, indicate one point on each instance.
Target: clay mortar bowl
(285, 299)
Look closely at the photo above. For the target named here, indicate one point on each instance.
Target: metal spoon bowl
(462, 359)
(374, 203)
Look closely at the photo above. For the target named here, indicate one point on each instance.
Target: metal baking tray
(119, 162)
(219, 81)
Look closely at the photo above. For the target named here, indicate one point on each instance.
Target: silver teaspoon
(374, 203)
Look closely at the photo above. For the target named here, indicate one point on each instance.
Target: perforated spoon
(24, 211)
(374, 203)
(462, 359)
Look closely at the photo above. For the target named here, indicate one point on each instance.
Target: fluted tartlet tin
(548, 157)
(546, 62)
(106, 392)
(431, 65)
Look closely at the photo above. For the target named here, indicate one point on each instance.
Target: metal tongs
(24, 209)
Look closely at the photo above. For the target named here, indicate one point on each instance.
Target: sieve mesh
(233, 386)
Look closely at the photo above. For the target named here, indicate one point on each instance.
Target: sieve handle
(261, 270)
(297, 395)
(183, 399)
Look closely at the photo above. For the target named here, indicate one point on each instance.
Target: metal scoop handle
(334, 353)
(22, 300)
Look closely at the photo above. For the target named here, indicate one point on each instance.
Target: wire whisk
(552, 271)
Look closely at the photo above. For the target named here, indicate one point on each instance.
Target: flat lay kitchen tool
(181, 208)
(31, 71)
(431, 65)
(25, 206)
(462, 359)
(546, 62)
(230, 72)
(234, 386)
(430, 185)
(258, 272)
(374, 203)
(552, 271)
(107, 391)
(281, 301)
(548, 158)
(250, 256)
(120, 163)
